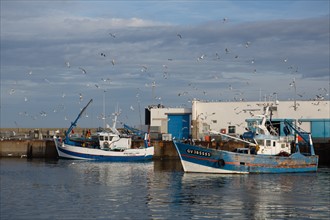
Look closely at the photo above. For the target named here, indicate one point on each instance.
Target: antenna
(116, 114)
(153, 85)
(104, 108)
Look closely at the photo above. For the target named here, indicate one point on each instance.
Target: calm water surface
(66, 189)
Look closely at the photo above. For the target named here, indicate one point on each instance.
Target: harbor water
(67, 189)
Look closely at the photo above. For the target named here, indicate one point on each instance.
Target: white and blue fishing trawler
(104, 145)
(265, 152)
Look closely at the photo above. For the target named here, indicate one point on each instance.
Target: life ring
(106, 144)
(221, 163)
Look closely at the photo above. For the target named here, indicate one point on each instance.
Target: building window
(231, 129)
(214, 121)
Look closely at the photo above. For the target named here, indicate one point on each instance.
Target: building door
(179, 125)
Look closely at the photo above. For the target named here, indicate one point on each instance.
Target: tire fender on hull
(221, 163)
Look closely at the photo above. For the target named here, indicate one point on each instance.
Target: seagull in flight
(83, 70)
(201, 57)
(144, 68)
(247, 44)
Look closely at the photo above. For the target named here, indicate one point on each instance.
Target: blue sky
(56, 55)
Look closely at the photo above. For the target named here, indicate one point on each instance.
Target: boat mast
(104, 109)
(74, 124)
(114, 125)
(307, 141)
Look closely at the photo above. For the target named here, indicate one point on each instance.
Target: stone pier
(32, 148)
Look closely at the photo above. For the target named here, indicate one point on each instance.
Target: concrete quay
(32, 148)
(29, 148)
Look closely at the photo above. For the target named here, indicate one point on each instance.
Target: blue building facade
(320, 128)
(178, 125)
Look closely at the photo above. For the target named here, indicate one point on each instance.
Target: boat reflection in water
(265, 196)
(157, 189)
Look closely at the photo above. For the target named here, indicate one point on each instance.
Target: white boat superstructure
(111, 141)
(106, 145)
(264, 137)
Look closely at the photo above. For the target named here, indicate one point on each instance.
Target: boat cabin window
(260, 142)
(268, 143)
(106, 138)
(101, 138)
(274, 144)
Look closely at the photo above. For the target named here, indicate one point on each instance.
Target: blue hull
(201, 159)
(81, 156)
(85, 153)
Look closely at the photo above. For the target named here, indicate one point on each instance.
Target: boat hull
(84, 153)
(199, 159)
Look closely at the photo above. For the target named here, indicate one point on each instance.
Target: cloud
(247, 56)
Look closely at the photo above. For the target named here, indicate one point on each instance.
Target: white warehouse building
(232, 117)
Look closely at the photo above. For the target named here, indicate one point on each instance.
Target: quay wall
(28, 148)
(46, 148)
(163, 149)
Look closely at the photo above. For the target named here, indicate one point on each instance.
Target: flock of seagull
(226, 55)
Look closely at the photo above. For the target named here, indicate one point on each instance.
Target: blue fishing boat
(251, 159)
(106, 145)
